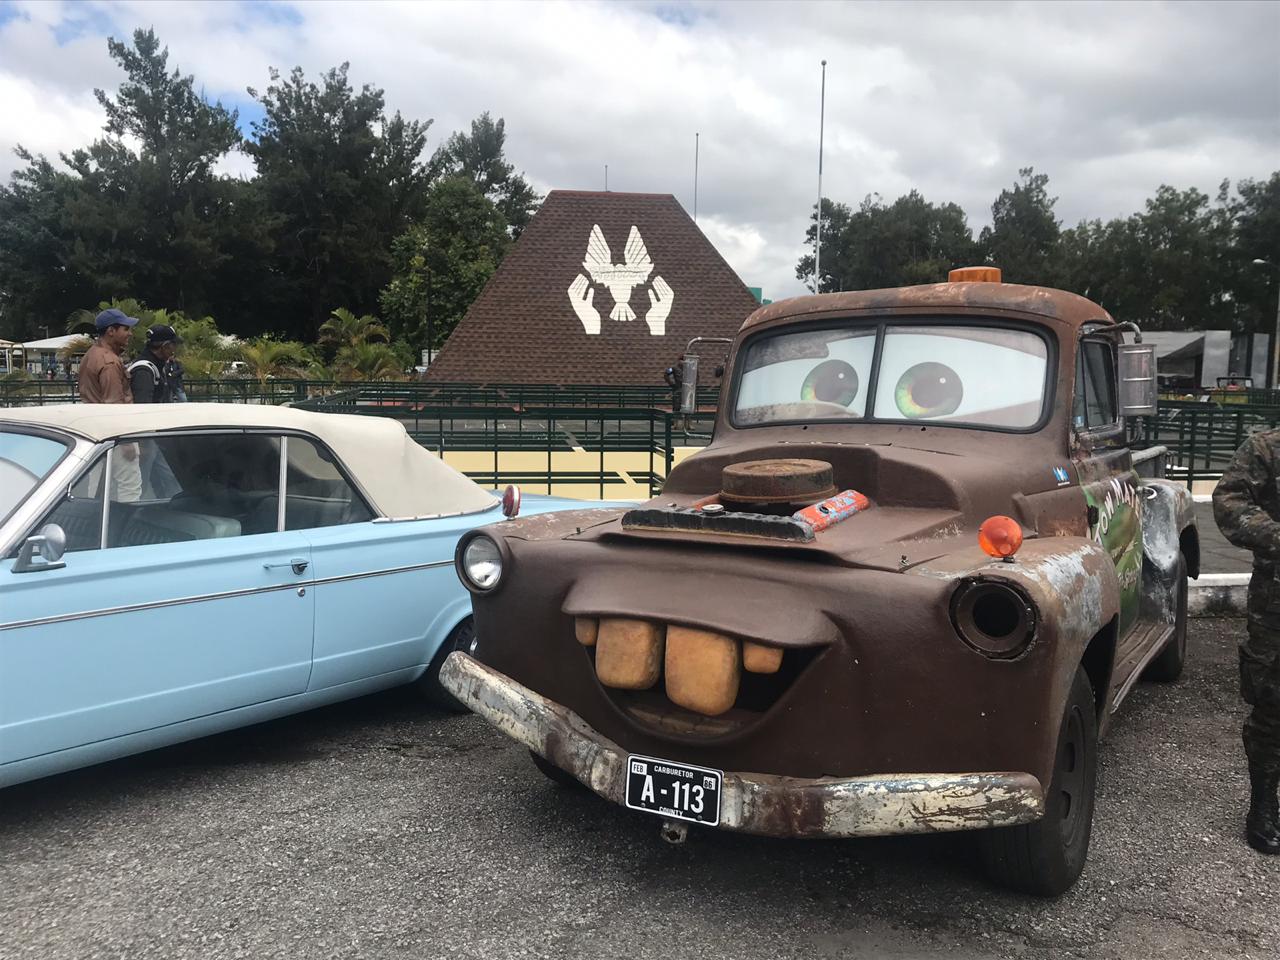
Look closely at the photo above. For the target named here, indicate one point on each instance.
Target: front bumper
(757, 803)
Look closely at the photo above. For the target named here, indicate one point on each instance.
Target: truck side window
(1094, 405)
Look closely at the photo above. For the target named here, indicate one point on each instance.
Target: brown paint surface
(872, 676)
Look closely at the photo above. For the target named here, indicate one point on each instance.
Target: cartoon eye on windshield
(832, 381)
(807, 375)
(928, 390)
(985, 376)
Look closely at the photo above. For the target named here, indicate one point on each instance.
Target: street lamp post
(1275, 341)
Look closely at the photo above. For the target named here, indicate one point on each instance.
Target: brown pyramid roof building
(601, 288)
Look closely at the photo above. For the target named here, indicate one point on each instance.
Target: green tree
(1255, 213)
(343, 179)
(909, 241)
(442, 263)
(138, 210)
(368, 361)
(344, 329)
(151, 219)
(267, 359)
(38, 283)
(1023, 237)
(480, 157)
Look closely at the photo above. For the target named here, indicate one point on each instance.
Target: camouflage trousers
(1260, 674)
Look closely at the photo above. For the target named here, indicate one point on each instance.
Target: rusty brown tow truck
(903, 590)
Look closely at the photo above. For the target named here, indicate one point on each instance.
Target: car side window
(316, 492)
(173, 489)
(80, 512)
(1094, 405)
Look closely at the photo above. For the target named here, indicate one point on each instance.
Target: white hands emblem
(660, 298)
(581, 295)
(620, 279)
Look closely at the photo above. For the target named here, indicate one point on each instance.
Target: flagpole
(817, 246)
(695, 176)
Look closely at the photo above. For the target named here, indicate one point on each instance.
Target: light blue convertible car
(170, 571)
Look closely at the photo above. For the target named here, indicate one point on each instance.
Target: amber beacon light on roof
(974, 275)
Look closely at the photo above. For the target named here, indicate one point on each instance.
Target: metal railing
(632, 433)
(35, 393)
(1201, 438)
(550, 447)
(16, 393)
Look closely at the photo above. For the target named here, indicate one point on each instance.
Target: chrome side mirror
(1137, 369)
(689, 384)
(49, 545)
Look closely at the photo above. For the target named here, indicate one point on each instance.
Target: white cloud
(1109, 99)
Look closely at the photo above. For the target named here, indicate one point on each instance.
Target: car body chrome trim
(223, 595)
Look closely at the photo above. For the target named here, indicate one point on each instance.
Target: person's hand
(660, 300)
(581, 295)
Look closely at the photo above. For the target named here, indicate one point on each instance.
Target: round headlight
(994, 617)
(481, 563)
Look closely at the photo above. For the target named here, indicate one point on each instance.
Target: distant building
(601, 288)
(1191, 359)
(38, 357)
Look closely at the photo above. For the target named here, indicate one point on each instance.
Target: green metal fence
(530, 445)
(34, 393)
(1201, 438)
(329, 394)
(604, 420)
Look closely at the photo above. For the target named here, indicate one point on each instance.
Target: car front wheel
(429, 683)
(1046, 857)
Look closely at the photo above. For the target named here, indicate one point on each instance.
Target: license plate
(675, 790)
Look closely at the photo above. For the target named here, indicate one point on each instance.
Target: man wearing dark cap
(152, 375)
(102, 375)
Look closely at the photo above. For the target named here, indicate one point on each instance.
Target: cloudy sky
(1109, 99)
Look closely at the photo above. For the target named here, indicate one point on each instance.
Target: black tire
(429, 683)
(1168, 664)
(553, 773)
(1046, 857)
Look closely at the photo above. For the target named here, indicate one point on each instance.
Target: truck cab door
(1111, 486)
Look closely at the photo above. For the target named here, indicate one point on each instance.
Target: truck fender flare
(1167, 511)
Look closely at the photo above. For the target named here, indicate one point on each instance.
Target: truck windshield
(25, 460)
(984, 376)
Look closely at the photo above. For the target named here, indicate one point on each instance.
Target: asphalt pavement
(1216, 554)
(381, 828)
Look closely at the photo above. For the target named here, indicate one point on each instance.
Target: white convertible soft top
(400, 477)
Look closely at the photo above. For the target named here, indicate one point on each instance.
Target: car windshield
(978, 375)
(25, 460)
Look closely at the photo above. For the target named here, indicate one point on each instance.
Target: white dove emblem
(620, 278)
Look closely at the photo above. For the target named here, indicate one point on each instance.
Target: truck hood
(925, 503)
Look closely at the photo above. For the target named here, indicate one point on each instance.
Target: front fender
(1071, 579)
(1167, 510)
(1073, 583)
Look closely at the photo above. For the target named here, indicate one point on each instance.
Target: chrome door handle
(299, 566)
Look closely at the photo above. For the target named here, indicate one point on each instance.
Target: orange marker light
(974, 275)
(1000, 536)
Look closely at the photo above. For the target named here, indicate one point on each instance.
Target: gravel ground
(382, 829)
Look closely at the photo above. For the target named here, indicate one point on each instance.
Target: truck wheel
(429, 683)
(560, 778)
(1167, 666)
(1046, 857)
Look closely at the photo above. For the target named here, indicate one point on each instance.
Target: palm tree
(344, 329)
(73, 350)
(368, 361)
(273, 358)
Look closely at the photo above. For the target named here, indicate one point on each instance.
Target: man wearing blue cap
(102, 374)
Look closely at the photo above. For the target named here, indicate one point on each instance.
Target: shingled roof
(601, 288)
